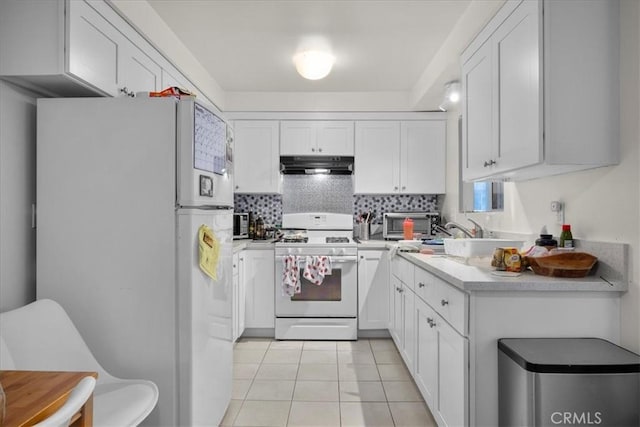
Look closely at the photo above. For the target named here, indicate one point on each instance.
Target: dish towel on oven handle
(290, 275)
(316, 267)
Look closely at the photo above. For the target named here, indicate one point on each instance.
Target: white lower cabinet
(373, 298)
(452, 375)
(238, 295)
(435, 352)
(441, 367)
(395, 313)
(454, 335)
(407, 351)
(259, 277)
(426, 372)
(402, 298)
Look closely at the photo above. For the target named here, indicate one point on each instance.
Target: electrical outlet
(558, 208)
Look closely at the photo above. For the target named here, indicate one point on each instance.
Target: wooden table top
(34, 395)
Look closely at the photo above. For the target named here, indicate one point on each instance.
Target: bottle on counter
(260, 230)
(566, 238)
(252, 226)
(407, 229)
(547, 241)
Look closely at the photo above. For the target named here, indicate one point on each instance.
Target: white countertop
(477, 275)
(241, 244)
(480, 277)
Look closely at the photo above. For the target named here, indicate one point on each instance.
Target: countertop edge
(528, 281)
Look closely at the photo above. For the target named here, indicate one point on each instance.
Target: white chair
(41, 337)
(78, 397)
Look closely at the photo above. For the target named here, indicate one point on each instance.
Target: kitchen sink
(467, 248)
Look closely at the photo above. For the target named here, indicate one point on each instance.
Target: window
(483, 196)
(488, 196)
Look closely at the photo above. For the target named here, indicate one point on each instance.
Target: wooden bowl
(570, 264)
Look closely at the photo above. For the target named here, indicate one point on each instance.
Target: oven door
(336, 296)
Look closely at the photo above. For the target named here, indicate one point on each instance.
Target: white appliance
(123, 187)
(319, 312)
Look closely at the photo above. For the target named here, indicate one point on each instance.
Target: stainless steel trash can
(567, 381)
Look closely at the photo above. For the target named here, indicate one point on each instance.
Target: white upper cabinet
(400, 157)
(94, 48)
(478, 113)
(540, 90)
(316, 138)
(422, 157)
(256, 156)
(79, 48)
(140, 73)
(377, 157)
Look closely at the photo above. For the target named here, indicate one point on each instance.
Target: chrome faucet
(441, 229)
(479, 230)
(478, 234)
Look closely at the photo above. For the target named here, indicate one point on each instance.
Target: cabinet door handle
(237, 187)
(127, 92)
(431, 322)
(489, 163)
(444, 302)
(420, 285)
(313, 150)
(320, 150)
(395, 188)
(404, 187)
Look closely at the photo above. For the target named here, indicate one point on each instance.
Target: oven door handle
(343, 260)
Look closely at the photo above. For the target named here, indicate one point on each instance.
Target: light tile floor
(323, 383)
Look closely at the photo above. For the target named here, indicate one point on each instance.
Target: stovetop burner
(337, 239)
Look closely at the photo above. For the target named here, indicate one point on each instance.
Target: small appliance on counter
(241, 225)
(424, 224)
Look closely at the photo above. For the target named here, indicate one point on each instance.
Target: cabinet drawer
(403, 270)
(425, 286)
(447, 301)
(451, 304)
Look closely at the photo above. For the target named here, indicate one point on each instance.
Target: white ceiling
(381, 46)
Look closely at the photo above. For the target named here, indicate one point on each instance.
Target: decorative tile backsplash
(321, 193)
(267, 206)
(317, 193)
(379, 204)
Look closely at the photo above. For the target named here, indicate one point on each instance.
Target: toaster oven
(424, 224)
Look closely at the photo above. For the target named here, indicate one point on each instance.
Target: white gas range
(308, 310)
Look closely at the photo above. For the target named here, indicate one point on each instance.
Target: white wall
(601, 204)
(17, 193)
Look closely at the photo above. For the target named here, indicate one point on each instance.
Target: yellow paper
(209, 251)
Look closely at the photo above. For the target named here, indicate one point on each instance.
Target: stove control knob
(333, 251)
(341, 252)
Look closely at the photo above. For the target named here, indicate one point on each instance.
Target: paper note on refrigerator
(208, 251)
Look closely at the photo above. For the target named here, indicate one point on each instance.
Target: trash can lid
(569, 355)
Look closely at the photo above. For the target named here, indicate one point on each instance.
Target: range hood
(301, 165)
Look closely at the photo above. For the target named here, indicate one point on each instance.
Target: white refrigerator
(123, 187)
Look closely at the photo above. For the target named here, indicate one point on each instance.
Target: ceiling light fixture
(451, 95)
(313, 64)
